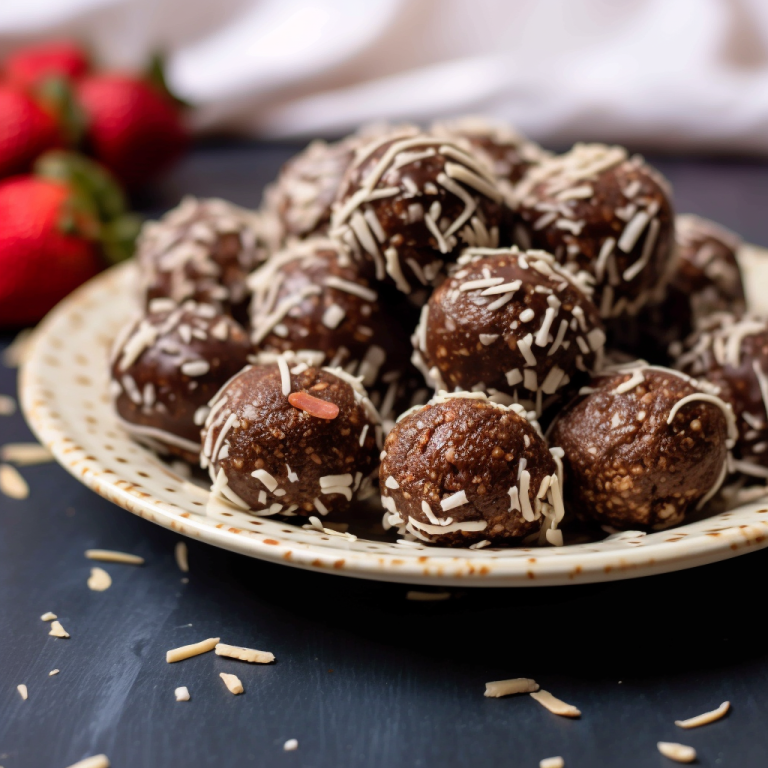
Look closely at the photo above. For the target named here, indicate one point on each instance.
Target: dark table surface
(364, 678)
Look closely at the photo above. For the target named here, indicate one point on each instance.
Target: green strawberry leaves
(98, 208)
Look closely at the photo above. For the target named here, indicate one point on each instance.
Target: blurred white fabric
(690, 74)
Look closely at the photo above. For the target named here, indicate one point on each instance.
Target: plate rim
(413, 568)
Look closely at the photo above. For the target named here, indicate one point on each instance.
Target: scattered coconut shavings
(232, 682)
(15, 354)
(12, 484)
(705, 718)
(498, 688)
(314, 406)
(48, 616)
(97, 761)
(244, 654)
(53, 672)
(426, 597)
(181, 554)
(7, 405)
(57, 630)
(291, 745)
(554, 705)
(195, 649)
(552, 762)
(22, 689)
(680, 753)
(25, 454)
(111, 556)
(182, 693)
(99, 580)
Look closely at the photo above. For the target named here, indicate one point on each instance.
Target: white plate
(65, 397)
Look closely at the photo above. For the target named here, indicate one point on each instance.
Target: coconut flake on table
(680, 753)
(499, 688)
(705, 718)
(12, 484)
(25, 454)
(555, 705)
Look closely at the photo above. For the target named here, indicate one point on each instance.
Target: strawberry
(26, 130)
(46, 247)
(59, 227)
(132, 127)
(29, 66)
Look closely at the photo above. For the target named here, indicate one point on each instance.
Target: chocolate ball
(642, 447)
(203, 250)
(463, 470)
(290, 440)
(732, 354)
(312, 296)
(167, 366)
(508, 153)
(408, 204)
(301, 196)
(707, 280)
(599, 210)
(511, 321)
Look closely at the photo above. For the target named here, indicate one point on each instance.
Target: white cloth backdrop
(689, 74)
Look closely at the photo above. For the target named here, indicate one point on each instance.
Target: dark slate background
(364, 678)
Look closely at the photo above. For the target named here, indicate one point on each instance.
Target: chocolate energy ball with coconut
(307, 185)
(643, 446)
(508, 153)
(512, 321)
(599, 210)
(312, 296)
(290, 440)
(203, 250)
(408, 205)
(707, 280)
(465, 471)
(167, 366)
(732, 354)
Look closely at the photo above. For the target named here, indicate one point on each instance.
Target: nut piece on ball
(643, 446)
(511, 321)
(463, 470)
(599, 210)
(203, 250)
(290, 441)
(409, 203)
(167, 366)
(732, 354)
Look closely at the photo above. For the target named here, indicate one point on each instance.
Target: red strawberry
(28, 66)
(132, 127)
(46, 247)
(26, 130)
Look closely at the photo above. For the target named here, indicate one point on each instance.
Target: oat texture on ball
(512, 322)
(732, 354)
(203, 250)
(595, 208)
(643, 446)
(408, 204)
(466, 471)
(291, 440)
(167, 366)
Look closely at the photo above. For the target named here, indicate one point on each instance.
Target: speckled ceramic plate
(64, 395)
